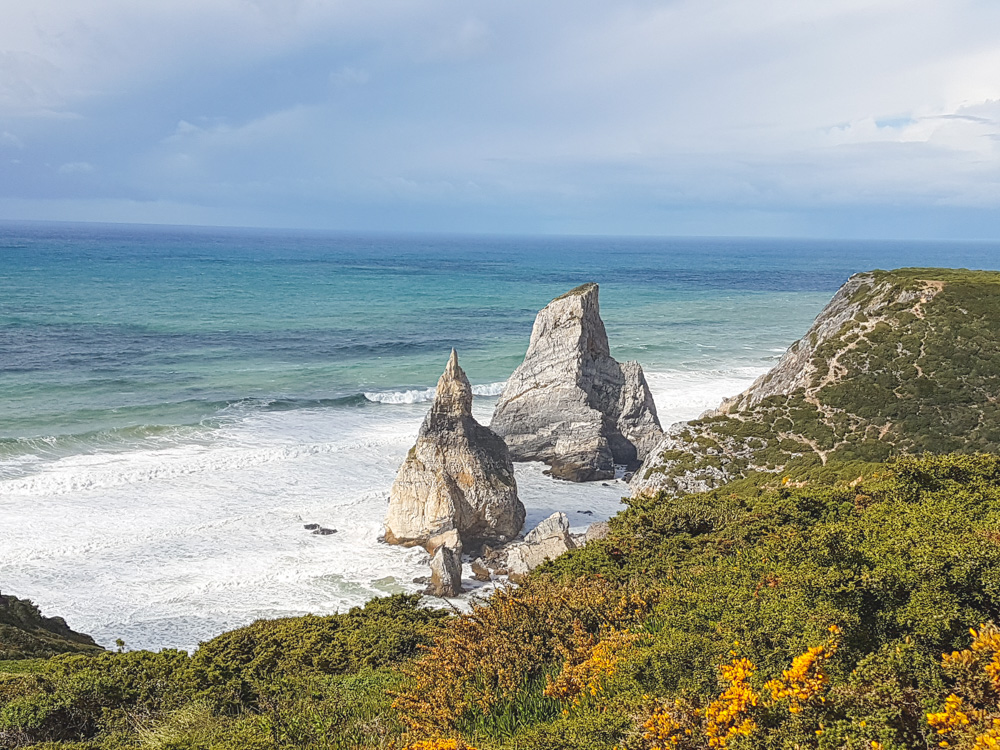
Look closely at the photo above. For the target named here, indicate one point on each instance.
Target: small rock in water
(423, 580)
(311, 526)
(323, 532)
(587, 512)
(479, 571)
(605, 484)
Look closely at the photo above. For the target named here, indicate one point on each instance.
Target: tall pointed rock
(458, 476)
(570, 404)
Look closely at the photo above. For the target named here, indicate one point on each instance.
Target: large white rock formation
(570, 404)
(458, 476)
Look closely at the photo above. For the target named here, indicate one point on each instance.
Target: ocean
(177, 403)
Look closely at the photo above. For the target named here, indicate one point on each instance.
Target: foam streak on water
(170, 546)
(175, 404)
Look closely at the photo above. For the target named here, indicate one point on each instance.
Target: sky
(813, 118)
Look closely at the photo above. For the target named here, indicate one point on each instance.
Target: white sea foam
(169, 546)
(681, 395)
(422, 395)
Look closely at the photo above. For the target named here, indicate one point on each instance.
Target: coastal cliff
(25, 633)
(898, 362)
(569, 403)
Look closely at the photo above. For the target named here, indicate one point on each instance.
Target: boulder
(446, 572)
(546, 541)
(457, 477)
(480, 571)
(569, 403)
(597, 531)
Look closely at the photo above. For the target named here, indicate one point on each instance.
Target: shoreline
(299, 573)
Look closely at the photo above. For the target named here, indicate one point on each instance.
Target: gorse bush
(806, 614)
(483, 661)
(276, 682)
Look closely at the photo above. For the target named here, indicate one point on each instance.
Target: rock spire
(570, 404)
(458, 476)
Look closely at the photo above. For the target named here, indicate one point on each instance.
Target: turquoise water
(174, 401)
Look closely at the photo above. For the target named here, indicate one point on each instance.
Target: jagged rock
(458, 476)
(480, 571)
(448, 538)
(597, 531)
(569, 403)
(446, 572)
(546, 541)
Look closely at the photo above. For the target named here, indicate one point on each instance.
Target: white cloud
(764, 105)
(9, 140)
(76, 167)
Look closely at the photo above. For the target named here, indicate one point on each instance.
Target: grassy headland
(804, 602)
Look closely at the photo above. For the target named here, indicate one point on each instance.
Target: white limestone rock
(446, 572)
(569, 403)
(457, 477)
(546, 541)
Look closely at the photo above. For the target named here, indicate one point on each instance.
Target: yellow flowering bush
(728, 716)
(682, 725)
(588, 664)
(971, 721)
(671, 726)
(439, 745)
(806, 678)
(679, 725)
(484, 659)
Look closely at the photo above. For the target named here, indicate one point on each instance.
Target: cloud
(9, 140)
(519, 116)
(76, 167)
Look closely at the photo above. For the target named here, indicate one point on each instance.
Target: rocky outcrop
(26, 634)
(597, 531)
(880, 372)
(458, 477)
(546, 541)
(446, 572)
(569, 403)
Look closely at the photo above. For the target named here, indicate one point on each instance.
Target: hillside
(852, 606)
(743, 618)
(25, 633)
(898, 362)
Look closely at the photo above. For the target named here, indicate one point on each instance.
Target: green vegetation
(295, 682)
(616, 644)
(25, 633)
(913, 369)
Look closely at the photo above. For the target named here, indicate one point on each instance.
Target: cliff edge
(904, 361)
(26, 634)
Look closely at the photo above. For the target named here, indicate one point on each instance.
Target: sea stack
(458, 477)
(570, 404)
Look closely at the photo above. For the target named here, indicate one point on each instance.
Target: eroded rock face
(458, 477)
(570, 404)
(446, 572)
(546, 541)
(865, 382)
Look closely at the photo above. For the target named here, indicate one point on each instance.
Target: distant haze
(845, 118)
